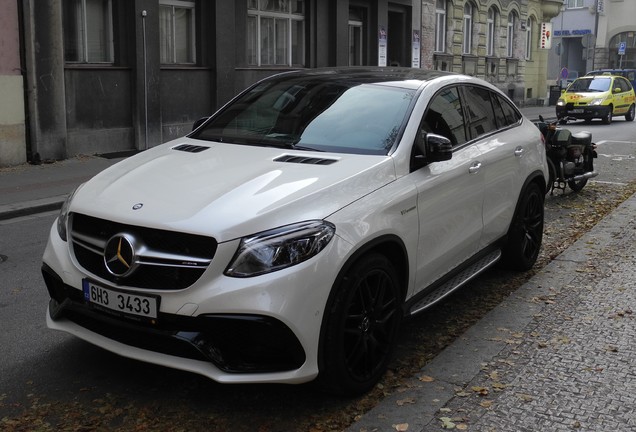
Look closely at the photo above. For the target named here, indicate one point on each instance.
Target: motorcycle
(570, 156)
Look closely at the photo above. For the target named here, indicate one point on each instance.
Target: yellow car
(601, 96)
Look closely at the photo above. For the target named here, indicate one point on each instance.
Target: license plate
(120, 301)
(577, 111)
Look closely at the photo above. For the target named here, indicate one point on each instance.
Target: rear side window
(512, 115)
(445, 117)
(480, 112)
(623, 84)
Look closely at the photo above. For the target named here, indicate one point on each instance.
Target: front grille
(168, 260)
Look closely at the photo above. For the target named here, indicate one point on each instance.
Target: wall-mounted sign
(415, 60)
(578, 32)
(546, 36)
(382, 46)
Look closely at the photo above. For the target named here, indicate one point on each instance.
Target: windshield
(323, 115)
(596, 84)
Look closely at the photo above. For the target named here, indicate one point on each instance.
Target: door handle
(519, 151)
(474, 168)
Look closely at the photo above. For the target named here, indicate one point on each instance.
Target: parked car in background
(599, 96)
(629, 74)
(287, 237)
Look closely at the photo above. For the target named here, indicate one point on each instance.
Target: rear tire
(361, 327)
(576, 186)
(526, 231)
(630, 113)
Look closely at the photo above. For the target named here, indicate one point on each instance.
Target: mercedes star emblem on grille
(120, 256)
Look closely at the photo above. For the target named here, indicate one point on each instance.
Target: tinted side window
(444, 116)
(500, 115)
(512, 115)
(480, 112)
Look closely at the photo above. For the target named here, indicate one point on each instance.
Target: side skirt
(447, 286)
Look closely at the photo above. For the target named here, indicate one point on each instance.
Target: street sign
(564, 73)
(622, 46)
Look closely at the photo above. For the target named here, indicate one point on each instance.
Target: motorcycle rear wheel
(577, 185)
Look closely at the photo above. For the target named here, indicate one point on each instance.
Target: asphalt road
(38, 365)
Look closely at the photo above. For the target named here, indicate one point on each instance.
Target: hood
(583, 96)
(226, 190)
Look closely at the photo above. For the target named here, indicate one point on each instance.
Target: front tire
(361, 327)
(607, 119)
(526, 231)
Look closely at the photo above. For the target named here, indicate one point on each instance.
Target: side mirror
(617, 90)
(199, 122)
(437, 148)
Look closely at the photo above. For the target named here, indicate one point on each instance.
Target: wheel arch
(535, 177)
(389, 245)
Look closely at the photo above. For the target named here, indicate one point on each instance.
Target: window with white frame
(88, 31)
(529, 25)
(177, 32)
(575, 4)
(467, 45)
(275, 32)
(356, 36)
(491, 21)
(512, 21)
(440, 26)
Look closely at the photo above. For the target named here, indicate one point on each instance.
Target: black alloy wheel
(526, 231)
(361, 327)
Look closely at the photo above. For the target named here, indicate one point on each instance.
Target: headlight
(597, 101)
(62, 218)
(280, 248)
(560, 102)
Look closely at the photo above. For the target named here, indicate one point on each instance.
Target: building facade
(104, 76)
(588, 35)
(12, 112)
(574, 37)
(616, 27)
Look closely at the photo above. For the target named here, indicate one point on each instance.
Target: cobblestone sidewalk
(558, 355)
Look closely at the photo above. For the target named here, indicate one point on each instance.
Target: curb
(31, 207)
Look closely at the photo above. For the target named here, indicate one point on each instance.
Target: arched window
(490, 31)
(627, 61)
(529, 26)
(467, 46)
(440, 26)
(512, 23)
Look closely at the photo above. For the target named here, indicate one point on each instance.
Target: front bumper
(234, 343)
(264, 329)
(584, 112)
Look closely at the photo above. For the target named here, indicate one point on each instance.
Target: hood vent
(190, 148)
(305, 160)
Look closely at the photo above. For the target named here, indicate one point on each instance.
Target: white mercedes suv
(288, 235)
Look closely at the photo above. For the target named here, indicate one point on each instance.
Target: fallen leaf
(486, 404)
(402, 402)
(482, 391)
(447, 423)
(462, 426)
(426, 378)
(401, 427)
